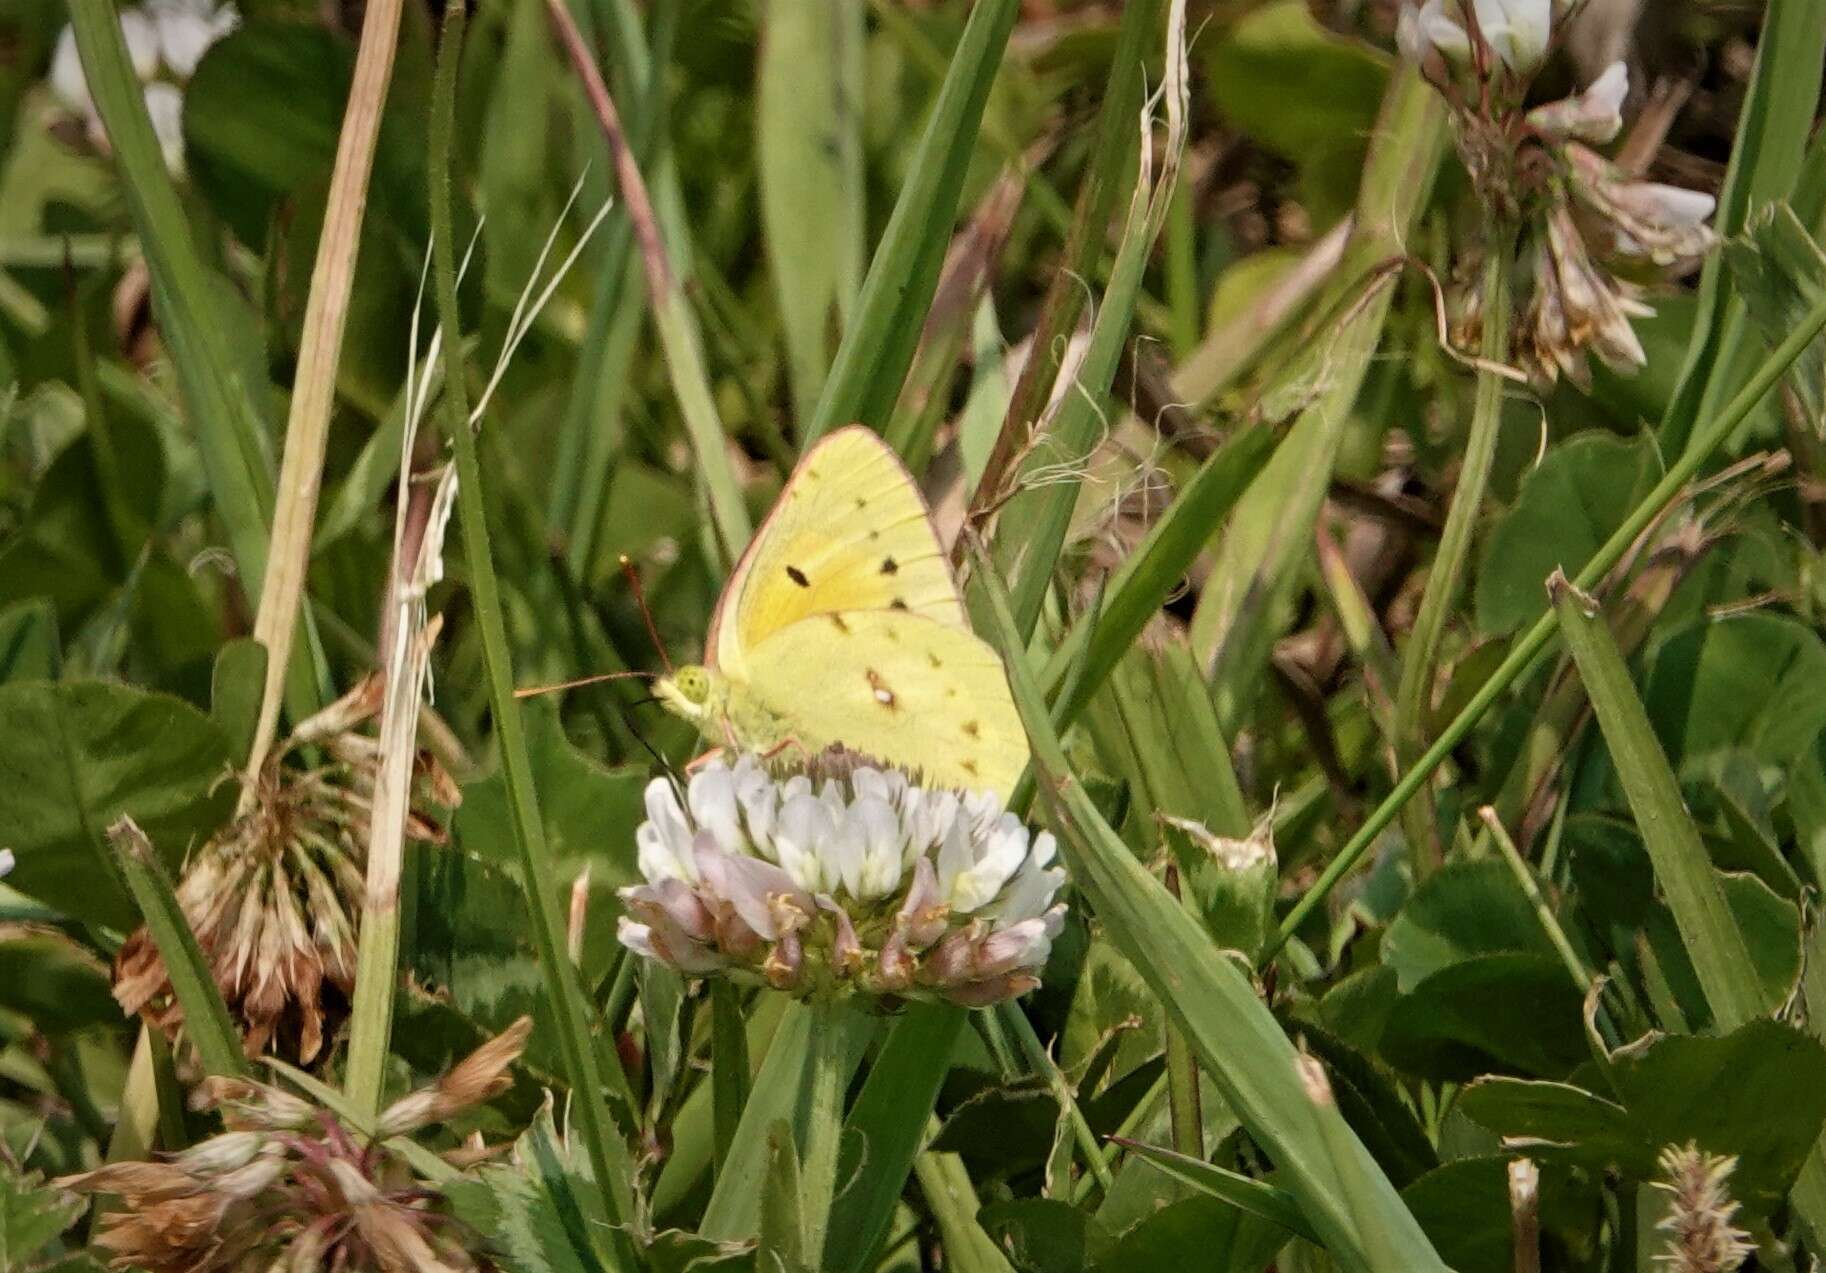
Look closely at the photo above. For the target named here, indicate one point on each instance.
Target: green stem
(608, 1155)
(1010, 1014)
(1536, 639)
(728, 1064)
(1419, 662)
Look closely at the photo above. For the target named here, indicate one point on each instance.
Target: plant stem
(607, 1154)
(1529, 647)
(1419, 661)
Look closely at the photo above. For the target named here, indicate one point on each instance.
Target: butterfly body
(842, 626)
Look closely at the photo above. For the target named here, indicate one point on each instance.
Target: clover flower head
(847, 879)
(287, 1186)
(276, 897)
(1571, 209)
(165, 41)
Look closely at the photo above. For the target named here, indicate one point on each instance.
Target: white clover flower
(859, 882)
(1596, 115)
(1439, 35)
(7, 862)
(165, 41)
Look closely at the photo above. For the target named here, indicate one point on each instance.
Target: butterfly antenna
(640, 599)
(533, 691)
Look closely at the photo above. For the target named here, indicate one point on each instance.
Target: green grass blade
(672, 317)
(206, 1021)
(608, 1155)
(884, 1130)
(220, 405)
(1270, 533)
(1242, 1192)
(1766, 160)
(1043, 511)
(1104, 188)
(1446, 576)
(879, 341)
(1683, 868)
(1528, 648)
(809, 155)
(1154, 569)
(1216, 1008)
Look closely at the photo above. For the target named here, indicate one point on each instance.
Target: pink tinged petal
(750, 885)
(846, 949)
(980, 994)
(684, 908)
(894, 968)
(1022, 945)
(923, 916)
(784, 963)
(952, 961)
(1669, 205)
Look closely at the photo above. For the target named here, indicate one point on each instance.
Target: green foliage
(1157, 408)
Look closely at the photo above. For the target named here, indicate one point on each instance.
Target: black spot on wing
(798, 576)
(899, 603)
(838, 623)
(973, 729)
(889, 566)
(969, 767)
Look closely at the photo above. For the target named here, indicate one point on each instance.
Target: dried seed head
(275, 899)
(1700, 1235)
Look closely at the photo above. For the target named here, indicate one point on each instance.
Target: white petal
(1517, 29)
(186, 31)
(67, 79)
(1001, 857)
(711, 797)
(668, 820)
(872, 850)
(1443, 33)
(7, 862)
(805, 829)
(1678, 205)
(142, 43)
(165, 104)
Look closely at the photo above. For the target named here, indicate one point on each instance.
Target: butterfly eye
(694, 683)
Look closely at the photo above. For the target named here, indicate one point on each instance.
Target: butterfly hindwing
(898, 687)
(850, 532)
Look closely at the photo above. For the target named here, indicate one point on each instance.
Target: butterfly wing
(899, 687)
(850, 532)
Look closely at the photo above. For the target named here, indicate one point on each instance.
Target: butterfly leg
(699, 761)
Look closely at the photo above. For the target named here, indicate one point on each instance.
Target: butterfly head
(688, 691)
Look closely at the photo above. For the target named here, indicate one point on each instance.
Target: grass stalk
(728, 1064)
(326, 313)
(602, 1142)
(1445, 581)
(1529, 647)
(1009, 1014)
(206, 1020)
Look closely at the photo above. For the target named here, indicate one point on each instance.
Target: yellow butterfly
(843, 626)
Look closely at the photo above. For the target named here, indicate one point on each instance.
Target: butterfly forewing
(850, 532)
(901, 688)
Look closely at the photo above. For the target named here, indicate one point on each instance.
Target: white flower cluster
(859, 882)
(165, 40)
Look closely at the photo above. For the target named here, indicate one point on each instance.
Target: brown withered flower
(1579, 221)
(275, 899)
(288, 1187)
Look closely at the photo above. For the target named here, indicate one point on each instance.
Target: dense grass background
(1542, 882)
